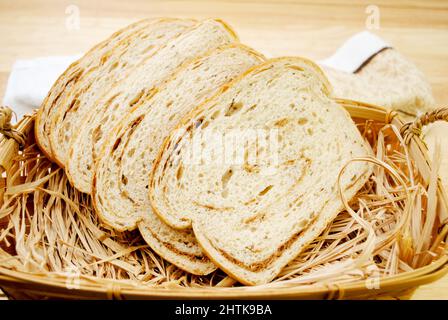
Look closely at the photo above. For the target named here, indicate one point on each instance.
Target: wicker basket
(24, 285)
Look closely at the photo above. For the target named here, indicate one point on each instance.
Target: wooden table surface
(418, 29)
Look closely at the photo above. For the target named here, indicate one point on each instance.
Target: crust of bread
(316, 227)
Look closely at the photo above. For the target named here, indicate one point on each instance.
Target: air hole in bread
(265, 190)
(72, 105)
(233, 108)
(252, 107)
(215, 114)
(124, 194)
(303, 223)
(97, 133)
(131, 152)
(104, 59)
(197, 65)
(226, 177)
(281, 122)
(148, 48)
(124, 179)
(205, 124)
(137, 98)
(105, 119)
(114, 66)
(116, 144)
(198, 122)
(302, 121)
(179, 172)
(169, 103)
(294, 67)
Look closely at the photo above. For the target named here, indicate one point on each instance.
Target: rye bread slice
(254, 170)
(140, 84)
(120, 188)
(112, 67)
(70, 77)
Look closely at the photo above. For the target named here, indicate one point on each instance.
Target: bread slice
(64, 83)
(113, 66)
(254, 170)
(388, 80)
(120, 193)
(141, 83)
(176, 246)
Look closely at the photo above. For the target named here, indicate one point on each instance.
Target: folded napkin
(30, 81)
(355, 52)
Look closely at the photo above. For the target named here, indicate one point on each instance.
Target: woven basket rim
(405, 280)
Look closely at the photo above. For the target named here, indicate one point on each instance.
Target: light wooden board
(418, 29)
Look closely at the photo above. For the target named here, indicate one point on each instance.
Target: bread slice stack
(128, 54)
(94, 63)
(120, 190)
(143, 125)
(139, 85)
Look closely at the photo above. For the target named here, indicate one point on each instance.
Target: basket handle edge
(7, 129)
(408, 130)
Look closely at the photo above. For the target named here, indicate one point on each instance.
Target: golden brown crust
(194, 259)
(207, 245)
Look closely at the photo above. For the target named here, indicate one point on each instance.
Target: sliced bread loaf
(70, 77)
(113, 66)
(141, 83)
(120, 192)
(254, 170)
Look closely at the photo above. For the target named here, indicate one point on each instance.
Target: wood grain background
(418, 29)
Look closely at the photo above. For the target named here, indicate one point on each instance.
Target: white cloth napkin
(30, 80)
(355, 51)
